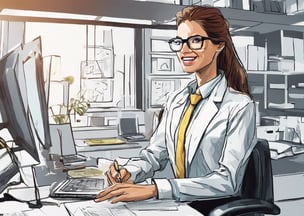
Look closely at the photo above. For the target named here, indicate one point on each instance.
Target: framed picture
(159, 90)
(98, 90)
(97, 69)
(162, 64)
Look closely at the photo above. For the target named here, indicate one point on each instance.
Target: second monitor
(128, 128)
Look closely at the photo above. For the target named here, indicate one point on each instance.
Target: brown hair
(217, 27)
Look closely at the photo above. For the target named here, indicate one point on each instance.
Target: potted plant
(79, 105)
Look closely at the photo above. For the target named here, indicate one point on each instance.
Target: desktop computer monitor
(16, 119)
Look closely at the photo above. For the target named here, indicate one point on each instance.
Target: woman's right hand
(114, 176)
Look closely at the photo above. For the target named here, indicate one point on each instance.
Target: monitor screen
(17, 118)
(34, 86)
(128, 126)
(31, 80)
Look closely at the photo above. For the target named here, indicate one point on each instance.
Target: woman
(208, 155)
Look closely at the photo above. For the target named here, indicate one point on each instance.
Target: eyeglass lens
(194, 43)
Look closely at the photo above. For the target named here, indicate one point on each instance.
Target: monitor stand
(33, 203)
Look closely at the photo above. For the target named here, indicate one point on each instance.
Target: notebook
(63, 144)
(80, 188)
(129, 129)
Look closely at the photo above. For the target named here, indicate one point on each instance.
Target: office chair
(257, 189)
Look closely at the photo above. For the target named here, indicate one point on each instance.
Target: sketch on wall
(98, 91)
(97, 71)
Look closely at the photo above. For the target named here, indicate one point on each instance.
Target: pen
(116, 167)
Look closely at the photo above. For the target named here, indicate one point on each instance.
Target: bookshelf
(278, 91)
(278, 53)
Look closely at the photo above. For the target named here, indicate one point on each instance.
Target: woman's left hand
(124, 192)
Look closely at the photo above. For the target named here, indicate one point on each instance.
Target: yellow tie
(180, 149)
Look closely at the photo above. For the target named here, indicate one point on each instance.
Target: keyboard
(67, 159)
(83, 184)
(79, 188)
(135, 137)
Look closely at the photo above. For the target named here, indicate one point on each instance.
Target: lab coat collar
(205, 89)
(203, 119)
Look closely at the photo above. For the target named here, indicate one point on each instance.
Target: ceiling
(139, 14)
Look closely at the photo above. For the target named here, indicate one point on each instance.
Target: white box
(298, 54)
(252, 59)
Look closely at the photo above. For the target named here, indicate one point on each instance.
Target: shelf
(281, 86)
(170, 75)
(291, 112)
(162, 53)
(163, 38)
(288, 73)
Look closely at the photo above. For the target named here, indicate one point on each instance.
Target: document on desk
(280, 149)
(91, 208)
(153, 204)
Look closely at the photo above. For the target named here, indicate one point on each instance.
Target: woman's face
(196, 60)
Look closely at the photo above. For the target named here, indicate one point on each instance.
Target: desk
(10, 207)
(288, 181)
(288, 177)
(126, 150)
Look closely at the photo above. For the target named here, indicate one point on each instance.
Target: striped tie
(180, 149)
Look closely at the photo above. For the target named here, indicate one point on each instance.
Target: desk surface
(288, 165)
(64, 207)
(10, 207)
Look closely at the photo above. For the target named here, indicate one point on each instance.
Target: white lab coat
(217, 146)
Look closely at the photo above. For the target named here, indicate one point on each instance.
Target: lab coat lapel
(177, 108)
(203, 119)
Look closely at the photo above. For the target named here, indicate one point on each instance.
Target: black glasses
(194, 42)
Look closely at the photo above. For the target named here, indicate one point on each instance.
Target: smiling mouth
(188, 59)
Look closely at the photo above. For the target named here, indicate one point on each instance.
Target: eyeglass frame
(203, 38)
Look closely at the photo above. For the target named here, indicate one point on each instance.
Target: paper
(279, 146)
(105, 208)
(86, 172)
(95, 211)
(280, 149)
(152, 205)
(105, 141)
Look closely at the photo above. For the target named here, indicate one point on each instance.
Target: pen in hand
(117, 169)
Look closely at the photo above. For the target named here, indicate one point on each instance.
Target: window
(100, 59)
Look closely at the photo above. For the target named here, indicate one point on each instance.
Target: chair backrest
(258, 181)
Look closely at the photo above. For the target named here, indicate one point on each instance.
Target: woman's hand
(117, 176)
(124, 192)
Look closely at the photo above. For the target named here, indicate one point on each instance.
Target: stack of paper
(281, 149)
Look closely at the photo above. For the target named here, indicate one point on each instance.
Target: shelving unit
(162, 69)
(273, 90)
